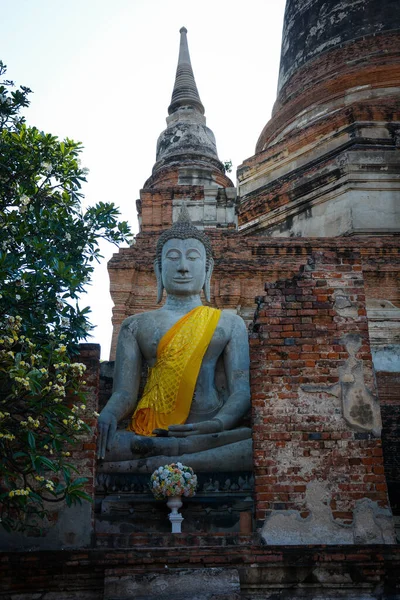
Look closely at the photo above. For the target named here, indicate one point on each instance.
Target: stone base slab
(265, 572)
(179, 584)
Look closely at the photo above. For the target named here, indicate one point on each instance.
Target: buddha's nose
(183, 266)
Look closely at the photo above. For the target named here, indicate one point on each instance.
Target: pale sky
(102, 73)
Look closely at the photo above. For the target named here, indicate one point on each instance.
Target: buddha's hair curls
(184, 229)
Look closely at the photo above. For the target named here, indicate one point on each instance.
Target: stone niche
(318, 464)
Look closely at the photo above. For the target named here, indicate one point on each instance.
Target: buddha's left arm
(237, 364)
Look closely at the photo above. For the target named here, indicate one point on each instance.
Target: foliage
(227, 166)
(48, 248)
(175, 479)
(36, 424)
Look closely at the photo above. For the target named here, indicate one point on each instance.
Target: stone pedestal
(174, 504)
(126, 507)
(173, 584)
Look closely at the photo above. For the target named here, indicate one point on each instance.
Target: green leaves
(48, 245)
(41, 419)
(48, 463)
(31, 441)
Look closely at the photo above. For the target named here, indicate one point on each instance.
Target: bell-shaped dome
(187, 141)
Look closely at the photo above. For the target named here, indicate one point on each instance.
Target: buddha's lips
(181, 280)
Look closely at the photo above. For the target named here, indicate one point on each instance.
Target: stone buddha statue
(197, 391)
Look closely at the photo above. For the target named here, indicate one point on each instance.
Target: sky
(102, 73)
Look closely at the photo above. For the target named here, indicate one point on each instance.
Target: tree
(48, 248)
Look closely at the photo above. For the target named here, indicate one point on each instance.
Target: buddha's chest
(149, 340)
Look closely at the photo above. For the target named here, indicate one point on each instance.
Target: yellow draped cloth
(168, 394)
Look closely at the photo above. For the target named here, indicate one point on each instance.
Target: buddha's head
(184, 262)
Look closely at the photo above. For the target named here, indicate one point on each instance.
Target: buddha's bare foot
(153, 446)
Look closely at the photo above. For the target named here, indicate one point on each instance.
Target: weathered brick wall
(265, 572)
(297, 348)
(242, 266)
(329, 27)
(337, 116)
(84, 455)
(73, 526)
(389, 396)
(320, 80)
(169, 176)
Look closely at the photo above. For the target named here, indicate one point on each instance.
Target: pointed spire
(187, 141)
(185, 90)
(184, 216)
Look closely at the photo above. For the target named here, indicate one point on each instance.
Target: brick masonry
(84, 455)
(243, 264)
(371, 61)
(328, 157)
(77, 530)
(295, 342)
(300, 435)
(265, 572)
(389, 395)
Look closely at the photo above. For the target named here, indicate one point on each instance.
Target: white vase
(174, 503)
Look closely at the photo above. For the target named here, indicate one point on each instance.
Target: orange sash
(168, 394)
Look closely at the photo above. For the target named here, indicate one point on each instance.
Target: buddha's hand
(212, 426)
(107, 426)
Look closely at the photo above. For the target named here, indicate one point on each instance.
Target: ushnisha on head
(184, 229)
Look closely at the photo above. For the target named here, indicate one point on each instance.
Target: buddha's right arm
(127, 371)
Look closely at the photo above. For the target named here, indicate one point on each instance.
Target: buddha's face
(183, 266)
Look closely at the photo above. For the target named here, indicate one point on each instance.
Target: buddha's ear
(160, 286)
(206, 287)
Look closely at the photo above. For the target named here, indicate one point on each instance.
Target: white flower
(68, 237)
(25, 200)
(17, 297)
(179, 465)
(47, 166)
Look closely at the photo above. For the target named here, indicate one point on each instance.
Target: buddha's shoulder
(232, 321)
(141, 321)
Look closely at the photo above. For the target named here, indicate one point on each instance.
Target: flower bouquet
(173, 480)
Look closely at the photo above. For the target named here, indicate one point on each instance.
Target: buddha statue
(197, 390)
